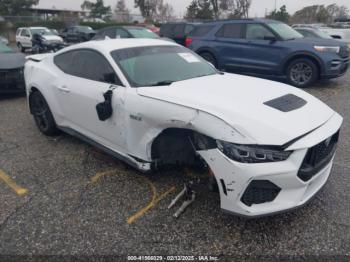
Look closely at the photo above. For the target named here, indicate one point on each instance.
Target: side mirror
(272, 39)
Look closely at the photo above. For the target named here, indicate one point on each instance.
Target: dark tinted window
(110, 32)
(166, 30)
(179, 30)
(231, 31)
(121, 33)
(87, 64)
(188, 29)
(201, 30)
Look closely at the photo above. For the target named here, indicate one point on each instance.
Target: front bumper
(336, 68)
(287, 190)
(12, 81)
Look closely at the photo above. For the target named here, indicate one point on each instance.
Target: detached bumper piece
(318, 157)
(259, 192)
(12, 81)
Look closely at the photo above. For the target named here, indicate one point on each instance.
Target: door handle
(63, 89)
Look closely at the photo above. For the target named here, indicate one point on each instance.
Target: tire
(42, 114)
(210, 58)
(302, 72)
(21, 48)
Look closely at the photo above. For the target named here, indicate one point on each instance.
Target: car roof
(110, 45)
(240, 20)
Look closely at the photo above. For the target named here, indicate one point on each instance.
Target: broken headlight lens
(252, 153)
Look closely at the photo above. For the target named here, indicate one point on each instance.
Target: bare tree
(236, 8)
(164, 11)
(122, 12)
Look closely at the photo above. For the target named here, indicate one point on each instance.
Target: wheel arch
(304, 55)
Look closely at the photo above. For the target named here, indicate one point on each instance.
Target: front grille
(260, 191)
(317, 157)
(11, 74)
(344, 52)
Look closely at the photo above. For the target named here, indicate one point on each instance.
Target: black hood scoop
(286, 103)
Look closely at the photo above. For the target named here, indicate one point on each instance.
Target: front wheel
(210, 58)
(302, 72)
(42, 114)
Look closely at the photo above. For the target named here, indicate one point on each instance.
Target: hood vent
(286, 103)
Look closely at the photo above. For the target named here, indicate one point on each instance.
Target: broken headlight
(252, 153)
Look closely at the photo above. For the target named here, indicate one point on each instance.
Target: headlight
(331, 49)
(252, 153)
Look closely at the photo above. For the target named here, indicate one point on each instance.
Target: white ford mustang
(152, 103)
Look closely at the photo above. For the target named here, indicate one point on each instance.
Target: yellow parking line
(151, 204)
(18, 189)
(98, 176)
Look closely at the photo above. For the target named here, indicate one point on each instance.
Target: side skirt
(140, 166)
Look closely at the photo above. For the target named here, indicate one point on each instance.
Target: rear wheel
(302, 72)
(42, 114)
(210, 58)
(21, 48)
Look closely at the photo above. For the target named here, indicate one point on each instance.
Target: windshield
(285, 31)
(41, 31)
(160, 65)
(5, 49)
(323, 34)
(142, 33)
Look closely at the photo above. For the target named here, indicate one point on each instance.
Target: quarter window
(87, 64)
(231, 31)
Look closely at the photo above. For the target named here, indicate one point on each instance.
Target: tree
(192, 11)
(319, 14)
(336, 12)
(122, 12)
(98, 9)
(164, 11)
(148, 8)
(10, 7)
(205, 12)
(280, 15)
(216, 8)
(236, 8)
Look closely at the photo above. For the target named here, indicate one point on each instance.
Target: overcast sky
(259, 7)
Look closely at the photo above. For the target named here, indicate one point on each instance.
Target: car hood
(52, 37)
(11, 60)
(239, 101)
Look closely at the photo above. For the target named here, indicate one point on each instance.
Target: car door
(26, 39)
(229, 44)
(262, 52)
(85, 76)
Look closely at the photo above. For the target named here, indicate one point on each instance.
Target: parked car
(153, 103)
(4, 40)
(24, 37)
(11, 70)
(114, 32)
(267, 47)
(312, 33)
(338, 33)
(77, 34)
(177, 31)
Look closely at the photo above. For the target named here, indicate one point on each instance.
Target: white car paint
(24, 36)
(224, 107)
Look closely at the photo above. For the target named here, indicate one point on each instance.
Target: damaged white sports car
(153, 103)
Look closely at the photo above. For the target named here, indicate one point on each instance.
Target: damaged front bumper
(260, 189)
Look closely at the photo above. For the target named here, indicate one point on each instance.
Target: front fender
(148, 117)
(299, 54)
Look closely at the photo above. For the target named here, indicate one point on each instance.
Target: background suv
(77, 34)
(260, 46)
(177, 31)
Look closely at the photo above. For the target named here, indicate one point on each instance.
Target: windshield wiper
(163, 83)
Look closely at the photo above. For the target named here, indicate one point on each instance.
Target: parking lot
(61, 196)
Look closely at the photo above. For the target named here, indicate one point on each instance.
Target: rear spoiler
(37, 58)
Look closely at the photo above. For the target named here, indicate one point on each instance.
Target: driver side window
(257, 32)
(87, 64)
